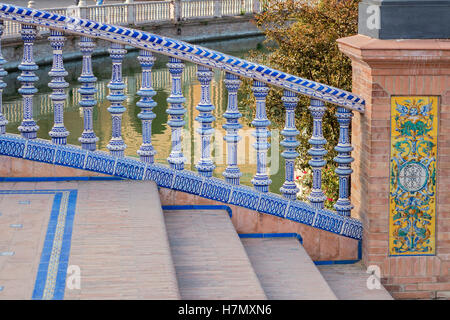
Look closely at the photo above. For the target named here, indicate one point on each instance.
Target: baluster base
(59, 140)
(232, 175)
(59, 135)
(176, 161)
(343, 207)
(147, 153)
(289, 190)
(116, 147)
(3, 123)
(261, 183)
(205, 169)
(118, 153)
(317, 199)
(88, 141)
(28, 129)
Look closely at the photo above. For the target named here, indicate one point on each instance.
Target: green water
(131, 125)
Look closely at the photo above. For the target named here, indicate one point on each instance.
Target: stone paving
(22, 231)
(209, 258)
(125, 247)
(285, 270)
(119, 241)
(349, 282)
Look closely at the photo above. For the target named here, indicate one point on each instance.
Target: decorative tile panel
(413, 168)
(216, 190)
(352, 228)
(300, 212)
(327, 220)
(40, 150)
(69, 157)
(130, 169)
(11, 146)
(272, 204)
(163, 176)
(100, 162)
(188, 182)
(245, 197)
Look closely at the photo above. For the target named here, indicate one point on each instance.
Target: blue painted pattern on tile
(193, 183)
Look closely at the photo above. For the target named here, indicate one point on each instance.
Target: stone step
(210, 260)
(349, 282)
(113, 235)
(285, 270)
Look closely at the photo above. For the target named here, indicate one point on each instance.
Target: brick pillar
(383, 69)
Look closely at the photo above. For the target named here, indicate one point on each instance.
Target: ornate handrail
(184, 51)
(57, 152)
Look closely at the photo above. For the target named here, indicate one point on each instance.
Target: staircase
(126, 247)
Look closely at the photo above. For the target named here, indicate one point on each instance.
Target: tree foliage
(302, 37)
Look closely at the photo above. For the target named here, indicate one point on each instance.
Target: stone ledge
(398, 53)
(319, 244)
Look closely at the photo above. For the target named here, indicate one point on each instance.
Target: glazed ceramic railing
(175, 176)
(12, 29)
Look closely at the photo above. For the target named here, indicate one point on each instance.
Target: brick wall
(382, 68)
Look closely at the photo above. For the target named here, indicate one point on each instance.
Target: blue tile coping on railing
(180, 180)
(185, 51)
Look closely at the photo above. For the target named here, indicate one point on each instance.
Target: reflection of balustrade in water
(185, 61)
(43, 104)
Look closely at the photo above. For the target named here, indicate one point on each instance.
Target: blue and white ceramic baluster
(344, 148)
(290, 144)
(3, 73)
(58, 133)
(28, 128)
(317, 152)
(261, 180)
(176, 111)
(205, 166)
(116, 96)
(146, 152)
(232, 173)
(87, 91)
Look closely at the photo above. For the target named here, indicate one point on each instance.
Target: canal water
(131, 125)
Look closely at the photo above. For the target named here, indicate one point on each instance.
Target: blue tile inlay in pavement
(51, 276)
